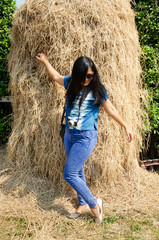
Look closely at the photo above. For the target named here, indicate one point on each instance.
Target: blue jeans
(79, 145)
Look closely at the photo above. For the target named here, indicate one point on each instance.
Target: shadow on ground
(20, 183)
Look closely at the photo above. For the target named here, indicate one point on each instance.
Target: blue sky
(19, 2)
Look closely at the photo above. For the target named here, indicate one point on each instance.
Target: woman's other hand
(129, 134)
(112, 112)
(42, 57)
(51, 71)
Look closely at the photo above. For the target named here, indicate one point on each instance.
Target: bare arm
(112, 112)
(52, 72)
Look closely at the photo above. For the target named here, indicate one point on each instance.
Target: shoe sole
(74, 215)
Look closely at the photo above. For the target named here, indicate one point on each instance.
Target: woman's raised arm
(112, 112)
(52, 72)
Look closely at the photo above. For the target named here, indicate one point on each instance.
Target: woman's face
(88, 78)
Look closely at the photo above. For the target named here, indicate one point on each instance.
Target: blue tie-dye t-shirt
(89, 110)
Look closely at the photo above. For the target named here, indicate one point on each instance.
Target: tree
(7, 8)
(147, 21)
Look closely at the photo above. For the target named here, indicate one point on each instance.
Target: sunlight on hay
(101, 29)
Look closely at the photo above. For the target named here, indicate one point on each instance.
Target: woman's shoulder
(105, 97)
(67, 79)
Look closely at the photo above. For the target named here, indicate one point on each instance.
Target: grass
(115, 226)
(22, 217)
(15, 228)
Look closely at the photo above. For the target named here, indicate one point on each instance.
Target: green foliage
(5, 126)
(150, 66)
(7, 8)
(147, 21)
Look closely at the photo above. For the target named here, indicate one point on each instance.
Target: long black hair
(79, 73)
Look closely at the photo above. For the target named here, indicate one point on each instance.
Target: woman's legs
(80, 198)
(83, 143)
(83, 205)
(68, 144)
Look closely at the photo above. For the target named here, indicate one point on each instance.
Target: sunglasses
(89, 76)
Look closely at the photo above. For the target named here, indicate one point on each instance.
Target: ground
(33, 210)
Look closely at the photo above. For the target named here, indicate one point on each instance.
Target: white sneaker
(98, 220)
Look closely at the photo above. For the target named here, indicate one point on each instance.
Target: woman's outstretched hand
(42, 57)
(51, 71)
(129, 134)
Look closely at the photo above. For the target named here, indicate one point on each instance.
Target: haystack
(65, 30)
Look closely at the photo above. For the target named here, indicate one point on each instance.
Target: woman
(84, 95)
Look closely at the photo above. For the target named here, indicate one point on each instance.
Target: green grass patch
(15, 228)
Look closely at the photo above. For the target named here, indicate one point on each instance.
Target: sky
(19, 2)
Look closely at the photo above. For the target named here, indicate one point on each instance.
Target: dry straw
(105, 31)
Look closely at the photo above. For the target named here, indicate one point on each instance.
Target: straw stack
(65, 30)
